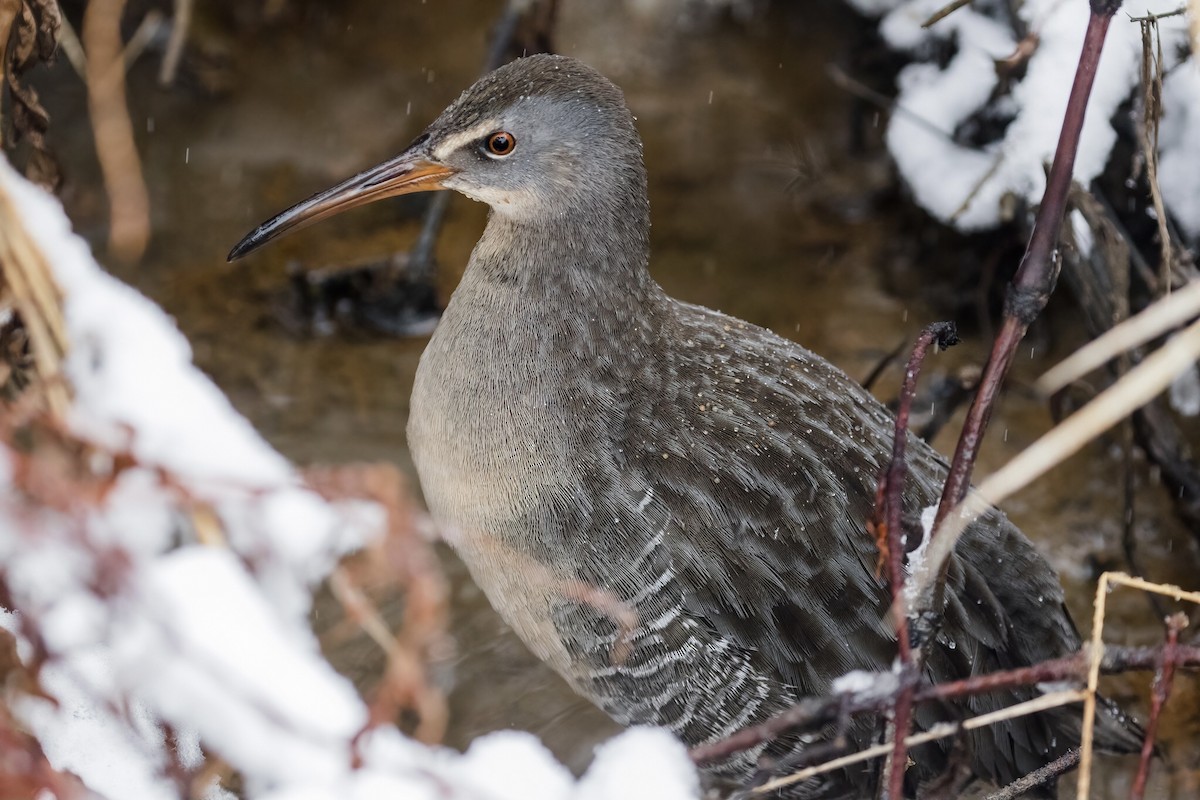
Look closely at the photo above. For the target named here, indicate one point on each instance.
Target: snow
(866, 685)
(113, 757)
(966, 185)
(1085, 240)
(501, 765)
(1179, 146)
(1184, 392)
(147, 629)
(855, 682)
(915, 559)
(642, 764)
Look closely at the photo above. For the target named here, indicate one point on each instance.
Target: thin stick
(978, 187)
(1089, 708)
(143, 35)
(1156, 319)
(180, 23)
(888, 506)
(1163, 678)
(1139, 386)
(939, 731)
(405, 682)
(1034, 280)
(1156, 17)
(1165, 589)
(68, 42)
(129, 206)
(1093, 680)
(1151, 75)
(1064, 763)
(815, 711)
(844, 81)
(944, 12)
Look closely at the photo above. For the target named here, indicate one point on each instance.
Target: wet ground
(761, 208)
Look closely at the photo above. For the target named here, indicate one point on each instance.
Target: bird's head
(537, 138)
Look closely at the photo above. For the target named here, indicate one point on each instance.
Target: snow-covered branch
(981, 124)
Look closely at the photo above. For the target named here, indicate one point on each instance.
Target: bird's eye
(501, 143)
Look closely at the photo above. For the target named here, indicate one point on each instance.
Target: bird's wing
(764, 460)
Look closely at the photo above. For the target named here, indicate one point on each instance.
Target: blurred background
(773, 199)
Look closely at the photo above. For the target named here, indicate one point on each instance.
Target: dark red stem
(889, 495)
(1036, 275)
(1163, 677)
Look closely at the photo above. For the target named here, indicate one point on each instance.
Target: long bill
(406, 173)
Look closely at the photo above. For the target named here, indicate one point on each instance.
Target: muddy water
(760, 209)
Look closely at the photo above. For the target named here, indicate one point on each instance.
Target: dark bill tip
(404, 174)
(251, 242)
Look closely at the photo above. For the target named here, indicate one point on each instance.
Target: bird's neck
(593, 257)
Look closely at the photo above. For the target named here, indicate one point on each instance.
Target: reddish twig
(1163, 677)
(890, 537)
(402, 558)
(1035, 278)
(817, 711)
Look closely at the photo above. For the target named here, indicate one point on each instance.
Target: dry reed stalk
(25, 274)
(404, 557)
(180, 24)
(1154, 320)
(129, 205)
(939, 731)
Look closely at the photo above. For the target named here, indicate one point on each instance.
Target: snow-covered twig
(1039, 777)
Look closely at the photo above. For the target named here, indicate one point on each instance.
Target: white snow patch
(855, 682)
(1185, 392)
(640, 764)
(1082, 233)
(507, 765)
(966, 185)
(916, 557)
(1179, 146)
